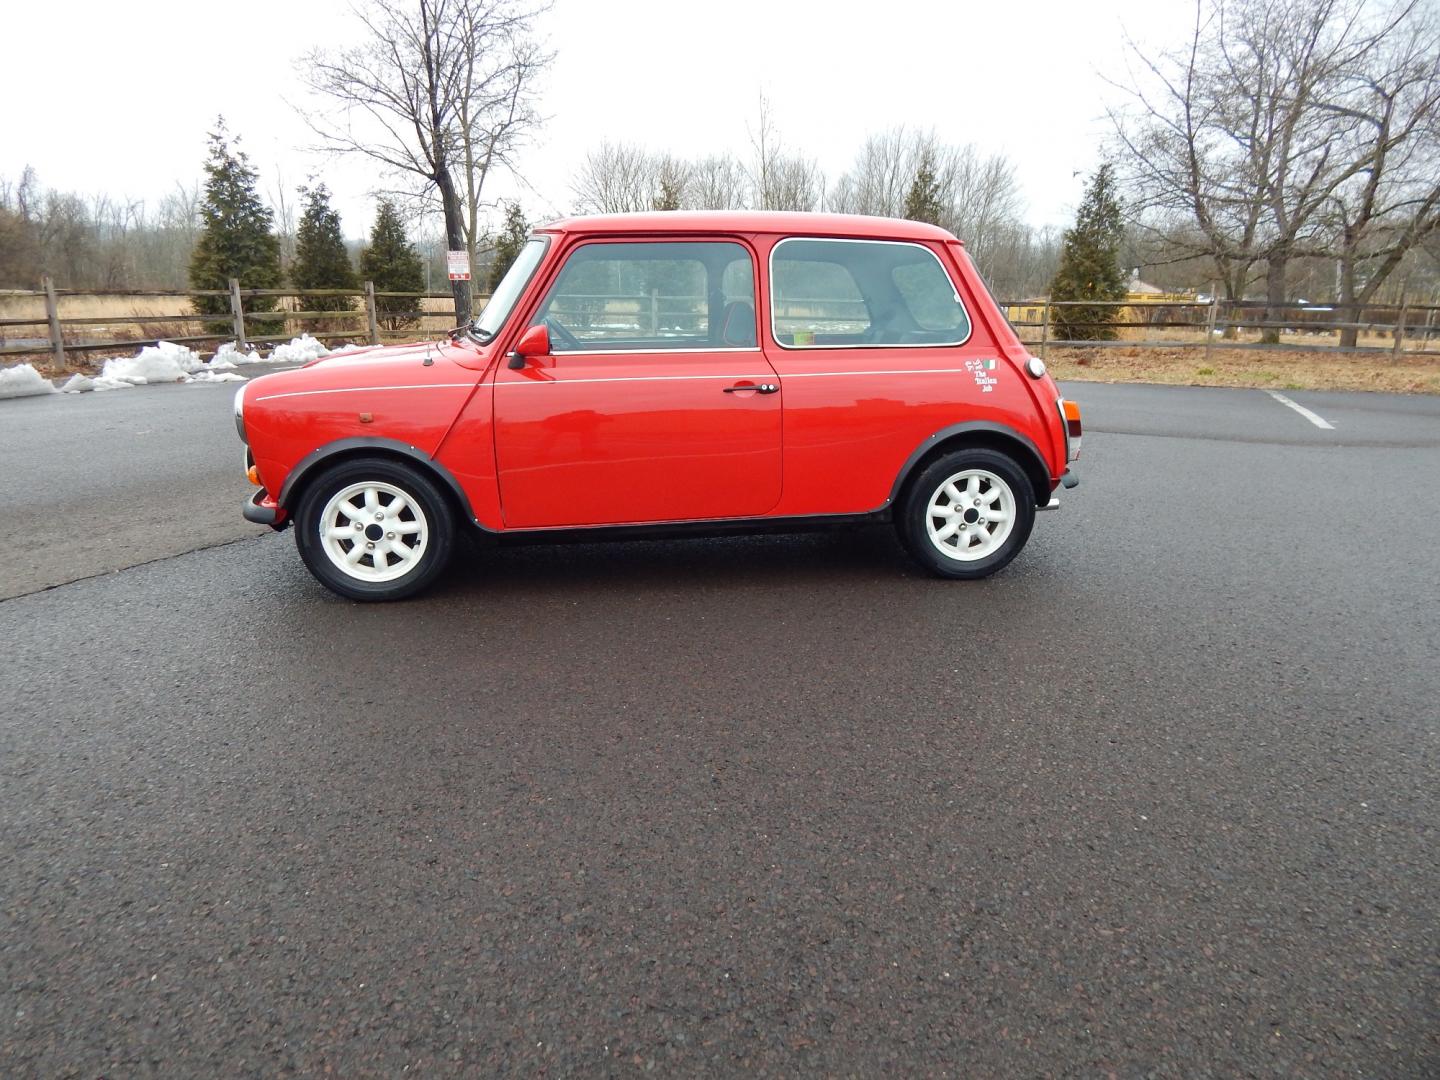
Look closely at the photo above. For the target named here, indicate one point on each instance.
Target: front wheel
(374, 529)
(968, 513)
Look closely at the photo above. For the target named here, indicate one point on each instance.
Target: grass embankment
(1410, 373)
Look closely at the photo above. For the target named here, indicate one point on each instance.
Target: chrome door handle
(759, 388)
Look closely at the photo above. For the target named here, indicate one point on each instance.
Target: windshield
(508, 291)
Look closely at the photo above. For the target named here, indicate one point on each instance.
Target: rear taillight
(1070, 417)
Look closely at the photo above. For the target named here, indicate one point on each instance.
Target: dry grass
(1411, 373)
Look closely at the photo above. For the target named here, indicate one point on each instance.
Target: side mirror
(534, 342)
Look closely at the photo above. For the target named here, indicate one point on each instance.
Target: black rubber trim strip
(601, 534)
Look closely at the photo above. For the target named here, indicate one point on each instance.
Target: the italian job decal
(984, 372)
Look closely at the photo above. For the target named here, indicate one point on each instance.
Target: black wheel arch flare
(308, 467)
(984, 433)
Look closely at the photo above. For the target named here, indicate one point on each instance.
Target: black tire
(914, 514)
(427, 506)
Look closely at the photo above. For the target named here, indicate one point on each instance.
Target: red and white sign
(458, 263)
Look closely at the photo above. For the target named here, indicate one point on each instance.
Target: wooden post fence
(237, 309)
(52, 316)
(370, 314)
(1210, 324)
(1400, 321)
(1044, 327)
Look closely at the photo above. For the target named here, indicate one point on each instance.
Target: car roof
(752, 221)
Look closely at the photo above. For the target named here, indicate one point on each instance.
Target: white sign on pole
(458, 263)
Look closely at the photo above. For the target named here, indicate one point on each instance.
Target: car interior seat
(737, 325)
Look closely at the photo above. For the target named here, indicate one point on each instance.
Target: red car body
(760, 435)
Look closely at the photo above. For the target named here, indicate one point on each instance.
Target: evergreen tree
(922, 203)
(394, 266)
(321, 260)
(1090, 264)
(235, 238)
(514, 234)
(668, 193)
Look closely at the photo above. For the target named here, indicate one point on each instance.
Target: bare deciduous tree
(1266, 129)
(615, 178)
(717, 182)
(781, 180)
(442, 91)
(1391, 204)
(979, 195)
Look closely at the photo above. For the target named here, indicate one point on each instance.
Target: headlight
(240, 414)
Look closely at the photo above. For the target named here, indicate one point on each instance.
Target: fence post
(52, 315)
(1400, 324)
(237, 309)
(370, 313)
(1210, 324)
(655, 312)
(1044, 327)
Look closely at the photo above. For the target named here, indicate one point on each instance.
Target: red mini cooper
(675, 372)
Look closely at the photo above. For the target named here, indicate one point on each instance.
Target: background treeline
(975, 196)
(1278, 150)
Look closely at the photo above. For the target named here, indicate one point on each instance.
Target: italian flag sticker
(989, 365)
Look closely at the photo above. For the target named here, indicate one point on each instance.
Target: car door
(877, 352)
(655, 403)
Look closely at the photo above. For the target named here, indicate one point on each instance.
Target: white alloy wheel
(374, 531)
(970, 515)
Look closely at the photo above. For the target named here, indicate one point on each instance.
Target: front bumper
(262, 509)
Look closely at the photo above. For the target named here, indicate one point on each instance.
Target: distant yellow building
(1140, 293)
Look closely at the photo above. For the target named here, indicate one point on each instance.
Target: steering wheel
(557, 330)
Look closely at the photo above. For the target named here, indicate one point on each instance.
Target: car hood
(390, 355)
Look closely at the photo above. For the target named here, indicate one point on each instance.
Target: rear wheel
(374, 529)
(968, 513)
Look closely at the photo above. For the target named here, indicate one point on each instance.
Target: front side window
(509, 289)
(856, 293)
(614, 296)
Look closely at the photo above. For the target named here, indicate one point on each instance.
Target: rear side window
(613, 296)
(859, 293)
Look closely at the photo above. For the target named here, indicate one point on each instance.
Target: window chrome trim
(770, 293)
(655, 240)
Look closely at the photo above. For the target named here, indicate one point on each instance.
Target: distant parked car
(675, 373)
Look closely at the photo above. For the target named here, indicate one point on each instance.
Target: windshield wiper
(482, 336)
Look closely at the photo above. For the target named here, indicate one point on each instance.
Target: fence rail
(1214, 322)
(368, 317)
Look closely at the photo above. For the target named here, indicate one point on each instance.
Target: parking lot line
(1314, 418)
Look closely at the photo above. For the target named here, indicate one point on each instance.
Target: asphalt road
(1160, 800)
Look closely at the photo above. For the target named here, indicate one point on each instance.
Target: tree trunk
(454, 239)
(1275, 276)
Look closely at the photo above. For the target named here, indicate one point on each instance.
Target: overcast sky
(117, 97)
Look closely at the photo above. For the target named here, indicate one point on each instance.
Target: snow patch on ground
(300, 350)
(215, 376)
(161, 362)
(229, 356)
(23, 381)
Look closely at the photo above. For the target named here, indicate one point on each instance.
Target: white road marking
(1314, 418)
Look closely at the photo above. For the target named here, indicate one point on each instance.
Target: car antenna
(429, 360)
